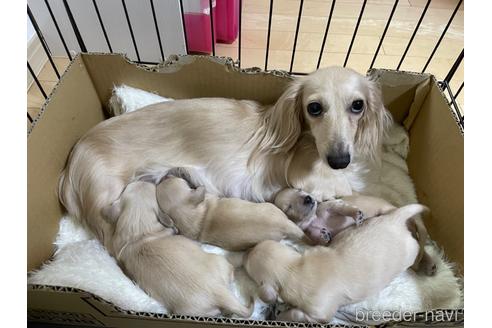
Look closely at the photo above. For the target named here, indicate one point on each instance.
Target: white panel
(168, 18)
(85, 17)
(143, 26)
(170, 26)
(113, 16)
(42, 16)
(30, 30)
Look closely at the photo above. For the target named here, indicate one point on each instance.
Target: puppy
(230, 223)
(322, 221)
(172, 269)
(359, 263)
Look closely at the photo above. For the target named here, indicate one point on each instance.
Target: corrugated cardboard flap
(66, 305)
(403, 92)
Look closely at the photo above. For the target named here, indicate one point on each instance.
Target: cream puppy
(172, 269)
(359, 263)
(322, 221)
(230, 223)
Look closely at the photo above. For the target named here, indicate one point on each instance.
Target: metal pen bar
(58, 29)
(413, 34)
(384, 33)
(212, 26)
(36, 81)
(102, 26)
(459, 90)
(29, 117)
(131, 29)
(326, 34)
(146, 62)
(442, 35)
(42, 40)
(157, 29)
(183, 25)
(299, 73)
(76, 31)
(461, 118)
(296, 35)
(268, 34)
(355, 33)
(455, 66)
(240, 27)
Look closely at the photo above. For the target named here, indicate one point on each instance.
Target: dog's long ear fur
(373, 124)
(281, 123)
(112, 212)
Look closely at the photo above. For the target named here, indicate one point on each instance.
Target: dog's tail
(407, 212)
(228, 303)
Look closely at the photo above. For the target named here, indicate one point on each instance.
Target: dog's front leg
(342, 208)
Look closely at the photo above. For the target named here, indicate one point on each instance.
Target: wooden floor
(312, 27)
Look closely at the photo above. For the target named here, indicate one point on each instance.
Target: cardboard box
(79, 100)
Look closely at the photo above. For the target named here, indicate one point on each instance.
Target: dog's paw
(431, 270)
(359, 218)
(326, 236)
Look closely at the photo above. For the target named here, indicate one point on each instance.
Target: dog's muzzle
(338, 161)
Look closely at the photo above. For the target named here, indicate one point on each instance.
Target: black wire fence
(445, 83)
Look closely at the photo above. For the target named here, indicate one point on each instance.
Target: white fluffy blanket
(80, 261)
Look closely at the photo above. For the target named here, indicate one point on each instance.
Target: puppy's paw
(359, 218)
(431, 270)
(326, 236)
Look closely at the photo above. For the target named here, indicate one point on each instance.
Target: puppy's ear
(152, 178)
(112, 212)
(198, 195)
(282, 123)
(183, 173)
(373, 124)
(165, 219)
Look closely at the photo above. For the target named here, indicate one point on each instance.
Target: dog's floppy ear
(373, 124)
(198, 195)
(152, 178)
(164, 218)
(112, 212)
(282, 123)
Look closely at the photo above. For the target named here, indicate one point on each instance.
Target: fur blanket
(81, 261)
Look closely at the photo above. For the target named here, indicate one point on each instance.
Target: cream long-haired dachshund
(314, 137)
(171, 268)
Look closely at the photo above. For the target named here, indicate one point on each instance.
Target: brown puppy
(322, 221)
(230, 223)
(172, 269)
(359, 263)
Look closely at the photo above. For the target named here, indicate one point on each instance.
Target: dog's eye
(314, 109)
(357, 106)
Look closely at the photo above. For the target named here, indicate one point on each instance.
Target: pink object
(226, 17)
(197, 22)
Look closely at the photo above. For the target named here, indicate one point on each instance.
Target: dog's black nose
(308, 200)
(338, 161)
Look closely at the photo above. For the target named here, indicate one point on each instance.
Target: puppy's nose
(308, 200)
(338, 161)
